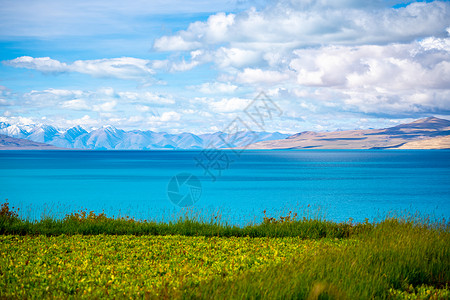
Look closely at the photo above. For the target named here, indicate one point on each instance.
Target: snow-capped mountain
(13, 131)
(43, 134)
(73, 133)
(109, 137)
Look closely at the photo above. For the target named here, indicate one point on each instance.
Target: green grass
(189, 224)
(394, 260)
(92, 255)
(101, 265)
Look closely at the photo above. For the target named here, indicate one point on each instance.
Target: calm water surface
(337, 184)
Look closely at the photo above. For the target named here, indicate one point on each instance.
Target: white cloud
(215, 88)
(174, 43)
(86, 122)
(142, 108)
(432, 43)
(43, 64)
(394, 67)
(107, 91)
(4, 92)
(229, 105)
(169, 116)
(183, 65)
(123, 67)
(105, 107)
(387, 103)
(215, 29)
(260, 76)
(266, 38)
(235, 57)
(76, 104)
(17, 120)
(293, 24)
(52, 97)
(146, 97)
(103, 100)
(197, 57)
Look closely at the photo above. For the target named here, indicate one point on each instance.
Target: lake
(337, 185)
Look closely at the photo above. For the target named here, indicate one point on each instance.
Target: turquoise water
(337, 184)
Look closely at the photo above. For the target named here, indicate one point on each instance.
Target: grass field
(90, 255)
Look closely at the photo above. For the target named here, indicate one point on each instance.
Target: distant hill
(428, 133)
(111, 138)
(441, 142)
(10, 143)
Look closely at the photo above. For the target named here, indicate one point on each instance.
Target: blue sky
(195, 65)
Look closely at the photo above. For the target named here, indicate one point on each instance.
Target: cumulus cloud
(170, 116)
(344, 50)
(395, 67)
(103, 100)
(225, 58)
(123, 67)
(142, 108)
(229, 105)
(53, 97)
(43, 64)
(175, 43)
(197, 57)
(260, 76)
(105, 107)
(215, 88)
(4, 94)
(86, 121)
(235, 57)
(126, 67)
(214, 30)
(183, 65)
(76, 104)
(18, 120)
(146, 97)
(294, 24)
(385, 103)
(399, 80)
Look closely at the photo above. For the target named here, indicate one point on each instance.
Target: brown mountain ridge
(10, 143)
(428, 133)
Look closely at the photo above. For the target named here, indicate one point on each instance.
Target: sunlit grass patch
(130, 265)
(393, 260)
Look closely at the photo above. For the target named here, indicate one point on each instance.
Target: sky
(194, 66)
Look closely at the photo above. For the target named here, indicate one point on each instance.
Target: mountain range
(428, 133)
(111, 138)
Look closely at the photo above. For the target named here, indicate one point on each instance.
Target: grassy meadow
(94, 256)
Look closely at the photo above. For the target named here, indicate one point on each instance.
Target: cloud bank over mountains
(362, 63)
